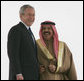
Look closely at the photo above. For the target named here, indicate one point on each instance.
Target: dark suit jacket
(22, 54)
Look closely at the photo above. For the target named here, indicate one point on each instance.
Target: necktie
(31, 35)
(33, 39)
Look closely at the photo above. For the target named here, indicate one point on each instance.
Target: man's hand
(52, 68)
(42, 69)
(19, 77)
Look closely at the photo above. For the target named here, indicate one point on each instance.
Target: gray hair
(23, 8)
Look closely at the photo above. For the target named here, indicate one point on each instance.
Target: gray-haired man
(22, 49)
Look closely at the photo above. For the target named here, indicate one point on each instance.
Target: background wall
(68, 16)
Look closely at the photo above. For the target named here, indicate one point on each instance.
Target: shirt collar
(25, 25)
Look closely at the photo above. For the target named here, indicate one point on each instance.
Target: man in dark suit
(21, 45)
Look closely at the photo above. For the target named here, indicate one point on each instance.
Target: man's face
(47, 32)
(28, 17)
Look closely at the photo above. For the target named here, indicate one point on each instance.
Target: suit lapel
(27, 33)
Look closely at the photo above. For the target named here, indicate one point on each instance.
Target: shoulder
(15, 27)
(37, 40)
(66, 48)
(14, 30)
(62, 42)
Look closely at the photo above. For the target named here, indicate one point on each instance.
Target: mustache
(46, 33)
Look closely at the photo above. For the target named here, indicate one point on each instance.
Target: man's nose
(30, 17)
(46, 29)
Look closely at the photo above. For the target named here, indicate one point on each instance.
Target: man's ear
(20, 16)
